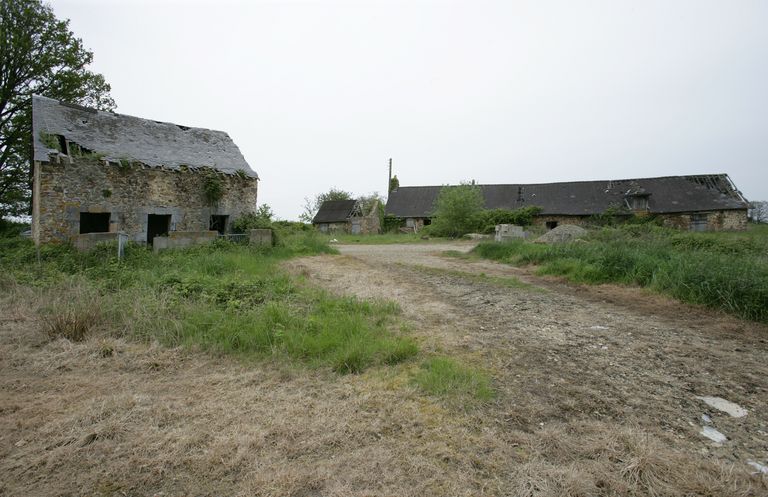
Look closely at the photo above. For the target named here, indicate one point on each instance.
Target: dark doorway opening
(157, 225)
(551, 225)
(94, 222)
(219, 223)
(427, 222)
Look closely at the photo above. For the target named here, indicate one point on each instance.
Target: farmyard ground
(596, 395)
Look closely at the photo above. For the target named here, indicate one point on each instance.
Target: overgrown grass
(223, 298)
(445, 377)
(727, 271)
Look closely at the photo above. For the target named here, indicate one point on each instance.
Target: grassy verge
(726, 271)
(223, 298)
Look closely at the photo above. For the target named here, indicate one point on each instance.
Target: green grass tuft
(445, 377)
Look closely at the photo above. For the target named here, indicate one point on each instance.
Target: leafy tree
(38, 55)
(758, 211)
(311, 206)
(394, 183)
(367, 202)
(521, 217)
(457, 211)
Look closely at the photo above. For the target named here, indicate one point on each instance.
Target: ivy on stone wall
(213, 187)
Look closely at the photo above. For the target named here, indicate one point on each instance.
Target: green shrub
(457, 210)
(261, 219)
(489, 218)
(10, 229)
(391, 224)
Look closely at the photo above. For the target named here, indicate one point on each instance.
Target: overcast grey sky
(321, 93)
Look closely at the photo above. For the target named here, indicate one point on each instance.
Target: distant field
(724, 270)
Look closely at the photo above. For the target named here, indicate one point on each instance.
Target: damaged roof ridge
(92, 110)
(621, 180)
(151, 142)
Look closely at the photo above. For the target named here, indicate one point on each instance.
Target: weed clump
(445, 377)
(72, 313)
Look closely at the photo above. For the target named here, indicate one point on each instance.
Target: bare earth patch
(596, 395)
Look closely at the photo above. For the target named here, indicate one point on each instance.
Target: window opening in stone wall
(551, 225)
(157, 225)
(62, 144)
(94, 222)
(219, 223)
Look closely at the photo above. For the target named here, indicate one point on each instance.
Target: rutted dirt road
(570, 362)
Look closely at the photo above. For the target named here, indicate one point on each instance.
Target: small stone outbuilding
(102, 172)
(347, 216)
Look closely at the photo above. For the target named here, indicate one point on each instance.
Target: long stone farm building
(707, 202)
(102, 172)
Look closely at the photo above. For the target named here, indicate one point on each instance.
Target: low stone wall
(333, 227)
(183, 239)
(88, 241)
(508, 232)
(260, 237)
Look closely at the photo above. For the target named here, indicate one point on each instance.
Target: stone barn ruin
(347, 216)
(108, 173)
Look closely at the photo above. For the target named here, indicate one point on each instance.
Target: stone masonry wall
(129, 193)
(730, 220)
(543, 220)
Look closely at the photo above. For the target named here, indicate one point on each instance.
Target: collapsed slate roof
(334, 211)
(120, 137)
(668, 194)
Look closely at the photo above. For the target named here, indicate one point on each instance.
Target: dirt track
(566, 354)
(596, 396)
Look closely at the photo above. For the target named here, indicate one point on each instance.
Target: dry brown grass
(108, 416)
(70, 310)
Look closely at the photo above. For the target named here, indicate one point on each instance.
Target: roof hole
(62, 144)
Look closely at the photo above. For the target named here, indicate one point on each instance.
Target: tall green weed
(727, 271)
